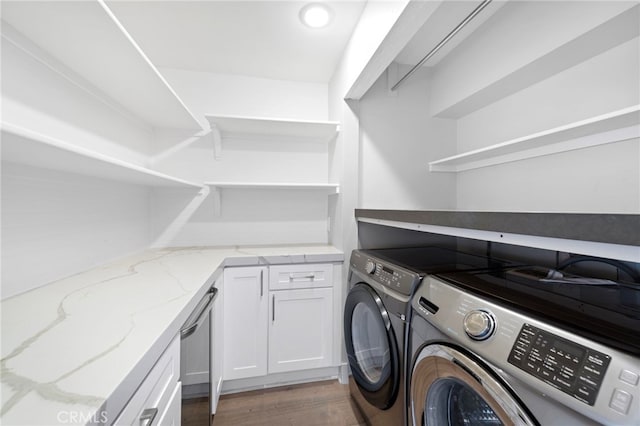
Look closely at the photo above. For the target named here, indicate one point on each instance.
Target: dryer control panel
(385, 273)
(568, 366)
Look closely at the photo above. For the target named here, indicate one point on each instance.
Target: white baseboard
(284, 379)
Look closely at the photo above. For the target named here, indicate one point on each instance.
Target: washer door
(450, 388)
(371, 346)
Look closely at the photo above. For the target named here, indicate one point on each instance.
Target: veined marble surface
(74, 351)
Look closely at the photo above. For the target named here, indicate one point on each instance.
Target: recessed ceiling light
(315, 15)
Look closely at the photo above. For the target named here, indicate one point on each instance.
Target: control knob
(479, 324)
(370, 267)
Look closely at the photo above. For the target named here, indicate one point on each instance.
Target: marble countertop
(80, 346)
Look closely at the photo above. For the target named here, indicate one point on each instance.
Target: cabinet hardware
(261, 282)
(303, 276)
(273, 308)
(148, 416)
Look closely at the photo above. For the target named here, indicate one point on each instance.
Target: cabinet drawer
(286, 277)
(156, 390)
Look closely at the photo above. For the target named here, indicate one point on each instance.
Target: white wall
(375, 23)
(56, 224)
(247, 216)
(607, 82)
(208, 93)
(397, 140)
(526, 41)
(603, 179)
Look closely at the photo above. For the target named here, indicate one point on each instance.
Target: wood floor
(313, 404)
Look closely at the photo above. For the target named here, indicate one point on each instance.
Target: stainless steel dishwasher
(195, 363)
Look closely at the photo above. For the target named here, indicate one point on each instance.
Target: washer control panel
(385, 273)
(572, 368)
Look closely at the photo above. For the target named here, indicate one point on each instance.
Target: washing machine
(524, 346)
(381, 283)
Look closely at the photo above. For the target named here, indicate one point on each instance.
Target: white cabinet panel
(300, 329)
(157, 390)
(284, 277)
(173, 411)
(245, 325)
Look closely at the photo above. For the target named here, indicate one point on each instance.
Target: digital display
(569, 349)
(387, 270)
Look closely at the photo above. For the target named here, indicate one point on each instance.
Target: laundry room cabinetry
(277, 319)
(245, 306)
(159, 395)
(300, 317)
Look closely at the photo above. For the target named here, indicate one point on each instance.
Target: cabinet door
(300, 329)
(245, 304)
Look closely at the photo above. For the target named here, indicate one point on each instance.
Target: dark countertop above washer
(605, 228)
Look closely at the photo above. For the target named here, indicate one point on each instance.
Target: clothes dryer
(524, 346)
(381, 283)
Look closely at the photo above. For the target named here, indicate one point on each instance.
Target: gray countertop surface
(605, 228)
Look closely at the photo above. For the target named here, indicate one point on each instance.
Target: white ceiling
(254, 38)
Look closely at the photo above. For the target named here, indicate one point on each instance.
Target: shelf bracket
(217, 200)
(169, 234)
(217, 141)
(178, 147)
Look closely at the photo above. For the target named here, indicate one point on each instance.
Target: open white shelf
(23, 146)
(612, 127)
(329, 187)
(233, 126)
(563, 53)
(323, 188)
(87, 38)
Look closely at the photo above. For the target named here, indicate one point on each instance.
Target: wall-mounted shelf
(231, 126)
(326, 188)
(88, 39)
(23, 146)
(513, 73)
(612, 127)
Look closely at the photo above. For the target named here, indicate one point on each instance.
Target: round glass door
(452, 402)
(371, 346)
(451, 388)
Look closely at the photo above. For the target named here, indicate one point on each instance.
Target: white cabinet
(300, 317)
(246, 297)
(156, 396)
(300, 329)
(278, 319)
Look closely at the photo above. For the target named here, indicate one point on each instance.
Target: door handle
(194, 321)
(301, 276)
(148, 416)
(261, 282)
(273, 308)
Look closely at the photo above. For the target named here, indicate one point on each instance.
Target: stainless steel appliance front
(195, 360)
